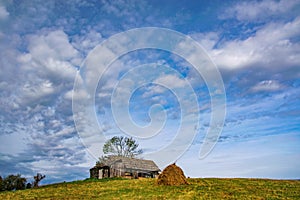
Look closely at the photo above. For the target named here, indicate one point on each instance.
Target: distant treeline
(17, 182)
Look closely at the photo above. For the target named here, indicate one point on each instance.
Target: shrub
(14, 182)
(28, 185)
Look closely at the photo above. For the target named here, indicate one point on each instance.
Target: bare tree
(37, 179)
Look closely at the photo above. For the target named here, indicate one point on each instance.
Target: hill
(208, 188)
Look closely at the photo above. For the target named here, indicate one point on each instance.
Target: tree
(28, 185)
(1, 184)
(122, 146)
(14, 182)
(37, 179)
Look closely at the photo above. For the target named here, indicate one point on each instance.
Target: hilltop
(198, 188)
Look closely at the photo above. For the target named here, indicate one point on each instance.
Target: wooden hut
(117, 166)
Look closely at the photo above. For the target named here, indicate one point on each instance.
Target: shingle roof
(132, 163)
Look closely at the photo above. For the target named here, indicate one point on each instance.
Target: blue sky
(255, 46)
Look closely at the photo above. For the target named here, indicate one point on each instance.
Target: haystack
(172, 175)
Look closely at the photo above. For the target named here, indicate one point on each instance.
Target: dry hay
(172, 175)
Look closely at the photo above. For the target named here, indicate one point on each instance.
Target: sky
(75, 73)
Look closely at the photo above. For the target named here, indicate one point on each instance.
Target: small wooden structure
(118, 166)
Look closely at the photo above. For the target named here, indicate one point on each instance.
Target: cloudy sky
(46, 47)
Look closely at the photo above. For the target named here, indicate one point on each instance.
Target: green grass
(208, 188)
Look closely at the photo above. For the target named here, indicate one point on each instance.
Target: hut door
(106, 173)
(100, 174)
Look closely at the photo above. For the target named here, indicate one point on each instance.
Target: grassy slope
(211, 188)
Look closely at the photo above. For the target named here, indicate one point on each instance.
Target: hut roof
(131, 163)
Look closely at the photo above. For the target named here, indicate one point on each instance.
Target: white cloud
(207, 40)
(273, 46)
(42, 74)
(24, 58)
(60, 68)
(267, 85)
(30, 93)
(170, 80)
(54, 44)
(76, 95)
(3, 12)
(153, 90)
(88, 41)
(257, 10)
(51, 57)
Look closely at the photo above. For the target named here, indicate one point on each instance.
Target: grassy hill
(208, 188)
